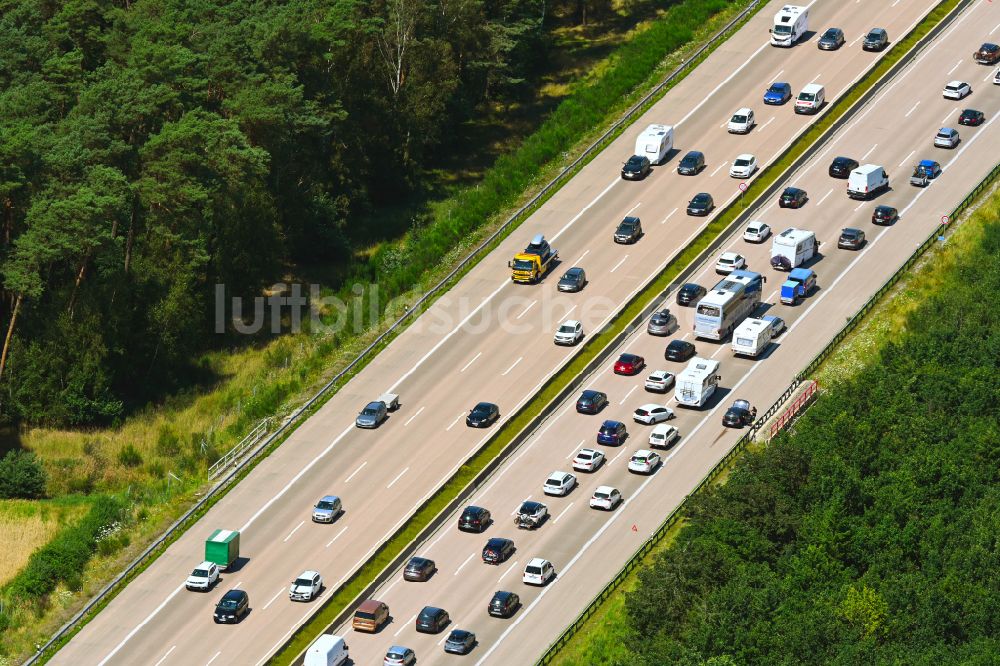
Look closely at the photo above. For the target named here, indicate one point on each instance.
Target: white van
(866, 181)
(810, 99)
(655, 143)
(327, 650)
(752, 337)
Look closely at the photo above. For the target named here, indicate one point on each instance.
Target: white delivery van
(790, 24)
(866, 181)
(792, 247)
(697, 382)
(752, 337)
(655, 143)
(810, 99)
(327, 650)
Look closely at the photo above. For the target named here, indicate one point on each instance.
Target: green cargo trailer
(223, 547)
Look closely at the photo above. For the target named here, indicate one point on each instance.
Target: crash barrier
(793, 409)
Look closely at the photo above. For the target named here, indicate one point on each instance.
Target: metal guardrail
(234, 454)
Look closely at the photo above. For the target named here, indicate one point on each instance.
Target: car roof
(659, 373)
(841, 158)
(570, 322)
(484, 405)
(611, 424)
(431, 610)
(645, 453)
(694, 153)
(851, 230)
(502, 594)
(691, 285)
(628, 356)
(206, 565)
(369, 605)
(575, 270)
(496, 540)
(417, 559)
(234, 594)
(781, 84)
(756, 223)
(308, 573)
(537, 561)
(531, 504)
(663, 428)
(374, 404)
(474, 508)
(730, 256)
(590, 393)
(744, 110)
(329, 498)
(399, 648)
(792, 190)
(605, 489)
(679, 343)
(559, 475)
(650, 405)
(745, 156)
(924, 163)
(884, 207)
(703, 195)
(742, 404)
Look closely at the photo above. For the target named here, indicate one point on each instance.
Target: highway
(588, 547)
(486, 340)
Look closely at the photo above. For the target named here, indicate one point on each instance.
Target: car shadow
(236, 566)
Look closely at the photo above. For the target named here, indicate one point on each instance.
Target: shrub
(129, 457)
(21, 476)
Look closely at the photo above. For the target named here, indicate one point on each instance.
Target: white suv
(570, 332)
(742, 121)
(204, 576)
(756, 232)
(538, 571)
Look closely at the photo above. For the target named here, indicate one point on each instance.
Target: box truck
(327, 650)
(800, 282)
(223, 548)
(790, 24)
(752, 337)
(697, 382)
(866, 181)
(793, 247)
(655, 143)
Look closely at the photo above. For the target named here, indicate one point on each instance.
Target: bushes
(21, 476)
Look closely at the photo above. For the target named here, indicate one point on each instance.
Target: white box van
(655, 143)
(327, 650)
(752, 337)
(866, 181)
(810, 99)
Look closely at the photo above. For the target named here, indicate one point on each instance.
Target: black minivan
(233, 605)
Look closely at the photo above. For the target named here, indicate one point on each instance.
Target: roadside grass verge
(26, 525)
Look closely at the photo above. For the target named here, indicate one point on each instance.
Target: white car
(996, 78)
(204, 576)
(756, 232)
(664, 436)
(306, 587)
(744, 166)
(729, 262)
(652, 413)
(946, 137)
(559, 483)
(957, 90)
(588, 460)
(659, 381)
(538, 571)
(742, 121)
(643, 461)
(605, 497)
(570, 332)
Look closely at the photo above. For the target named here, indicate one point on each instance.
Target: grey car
(573, 280)
(530, 515)
(327, 509)
(372, 415)
(662, 323)
(460, 641)
(831, 40)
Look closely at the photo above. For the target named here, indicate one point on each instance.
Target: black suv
(690, 293)
(841, 167)
(629, 230)
(232, 607)
(885, 215)
(497, 550)
(792, 197)
(679, 350)
(482, 415)
(504, 604)
(692, 163)
(591, 402)
(876, 40)
(636, 168)
(474, 519)
(739, 415)
(432, 620)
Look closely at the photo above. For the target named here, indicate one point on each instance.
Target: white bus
(697, 382)
(727, 304)
(752, 337)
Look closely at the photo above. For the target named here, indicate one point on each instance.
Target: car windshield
(634, 161)
(325, 505)
(776, 89)
(416, 564)
(638, 459)
(739, 118)
(566, 328)
(607, 430)
(523, 265)
(428, 615)
(303, 582)
(533, 570)
(707, 311)
(807, 97)
(626, 226)
(741, 162)
(227, 604)
(700, 199)
(782, 29)
(391, 654)
(369, 411)
(200, 573)
(830, 34)
(874, 36)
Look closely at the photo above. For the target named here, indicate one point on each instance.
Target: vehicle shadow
(237, 565)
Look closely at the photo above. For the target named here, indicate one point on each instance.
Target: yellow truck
(530, 266)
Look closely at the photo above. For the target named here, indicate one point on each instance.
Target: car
(744, 166)
(652, 413)
(792, 197)
(538, 571)
(636, 168)
(372, 415)
(662, 323)
(659, 381)
(306, 587)
(756, 232)
(851, 239)
(689, 293)
(612, 433)
(503, 604)
(559, 484)
(498, 550)
(924, 172)
(663, 436)
(831, 40)
(399, 655)
(232, 607)
(591, 402)
(988, 54)
(588, 460)
(531, 515)
(957, 90)
(692, 163)
(777, 324)
(946, 137)
(460, 641)
(777, 93)
(569, 333)
(629, 364)
(419, 569)
(573, 280)
(841, 167)
(701, 205)
(742, 121)
(431, 620)
(371, 615)
(327, 509)
(996, 78)
(679, 350)
(644, 461)
(739, 415)
(885, 215)
(203, 577)
(474, 519)
(971, 117)
(482, 415)
(605, 497)
(629, 230)
(876, 40)
(729, 262)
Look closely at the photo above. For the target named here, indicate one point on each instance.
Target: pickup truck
(537, 259)
(800, 282)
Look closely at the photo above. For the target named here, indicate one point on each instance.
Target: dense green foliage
(869, 534)
(21, 476)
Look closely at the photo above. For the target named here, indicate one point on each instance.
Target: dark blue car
(612, 433)
(778, 93)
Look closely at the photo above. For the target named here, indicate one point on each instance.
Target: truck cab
(800, 282)
(537, 259)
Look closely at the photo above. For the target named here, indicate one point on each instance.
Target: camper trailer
(752, 337)
(655, 143)
(792, 248)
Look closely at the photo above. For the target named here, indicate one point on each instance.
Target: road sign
(743, 187)
(945, 219)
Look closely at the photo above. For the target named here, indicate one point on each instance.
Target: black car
(460, 641)
(431, 620)
(988, 54)
(690, 293)
(831, 40)
(482, 415)
(573, 280)
(701, 205)
(841, 167)
(636, 168)
(497, 550)
(739, 415)
(629, 230)
(232, 607)
(679, 350)
(692, 163)
(474, 519)
(503, 604)
(876, 40)
(851, 239)
(972, 118)
(612, 433)
(792, 197)
(885, 215)
(591, 402)
(419, 569)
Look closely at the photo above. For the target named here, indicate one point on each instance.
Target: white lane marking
(947, 116)
(164, 657)
(514, 512)
(717, 169)
(572, 453)
(618, 265)
(398, 477)
(907, 158)
(858, 207)
(870, 151)
(459, 417)
(776, 77)
(561, 513)
(582, 256)
(912, 109)
(770, 296)
(213, 658)
(953, 68)
(525, 310)
(416, 414)
(509, 569)
(348, 479)
(627, 395)
(273, 598)
(293, 531)
(630, 210)
(462, 565)
(466, 366)
(818, 203)
(770, 120)
(668, 216)
(337, 536)
(994, 29)
(988, 77)
(721, 347)
(568, 312)
(403, 628)
(612, 461)
(238, 585)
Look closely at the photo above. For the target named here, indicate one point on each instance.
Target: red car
(629, 364)
(972, 118)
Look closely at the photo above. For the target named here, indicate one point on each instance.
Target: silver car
(662, 323)
(327, 509)
(372, 415)
(946, 137)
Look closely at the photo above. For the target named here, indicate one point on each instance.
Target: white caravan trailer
(697, 382)
(790, 24)
(792, 248)
(752, 337)
(655, 143)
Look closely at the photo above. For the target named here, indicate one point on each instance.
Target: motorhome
(793, 247)
(655, 143)
(752, 337)
(697, 382)
(790, 24)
